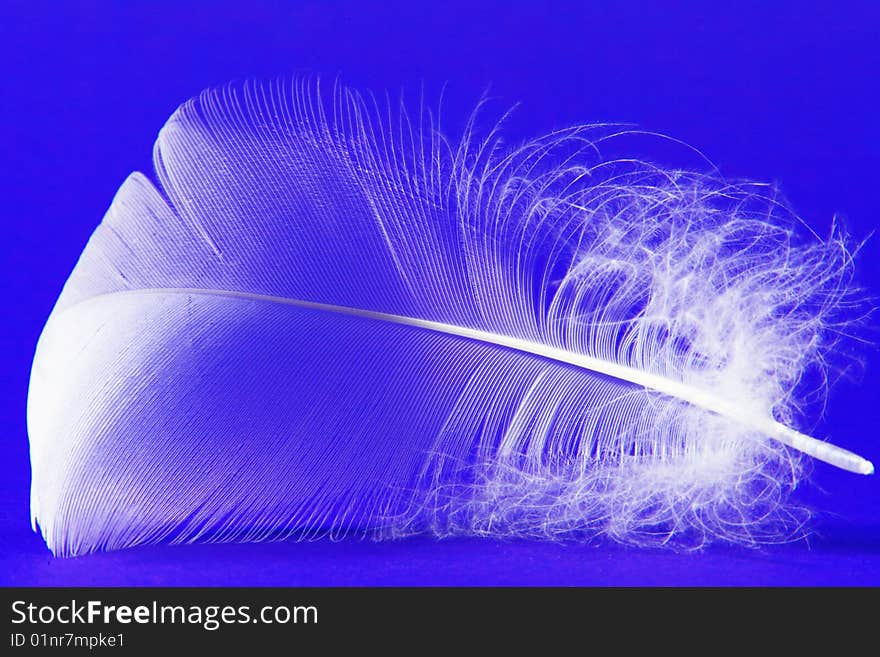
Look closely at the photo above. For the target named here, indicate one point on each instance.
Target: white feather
(327, 318)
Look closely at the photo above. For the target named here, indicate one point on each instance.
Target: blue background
(784, 92)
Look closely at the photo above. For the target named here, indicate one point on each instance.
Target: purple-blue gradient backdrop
(783, 91)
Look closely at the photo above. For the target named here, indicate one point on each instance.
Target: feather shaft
(818, 449)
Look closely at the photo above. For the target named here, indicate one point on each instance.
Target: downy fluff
(322, 317)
